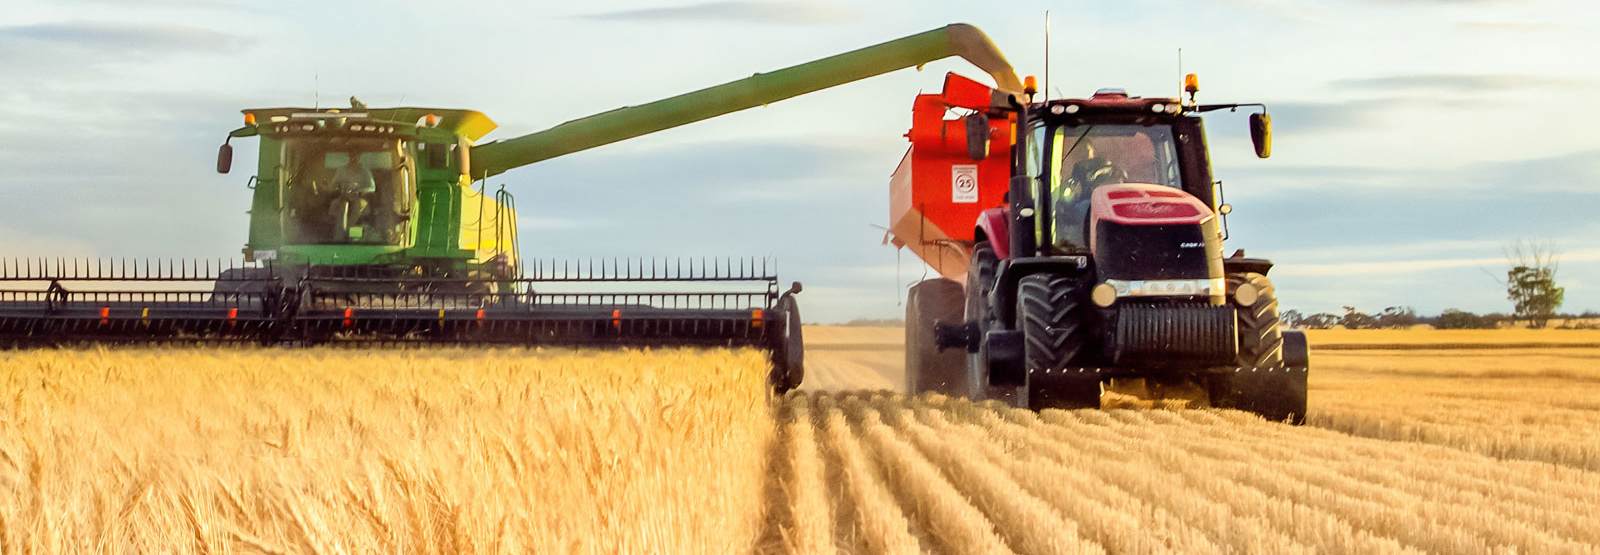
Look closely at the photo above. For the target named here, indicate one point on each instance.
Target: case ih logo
(1154, 210)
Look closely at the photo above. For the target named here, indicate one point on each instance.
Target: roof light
(1072, 108)
(432, 120)
(250, 119)
(1158, 108)
(1191, 83)
(1058, 109)
(1030, 85)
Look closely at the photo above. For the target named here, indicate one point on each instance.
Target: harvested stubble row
(986, 478)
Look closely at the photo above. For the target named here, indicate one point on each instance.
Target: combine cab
(1081, 242)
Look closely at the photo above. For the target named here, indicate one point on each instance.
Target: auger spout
(960, 39)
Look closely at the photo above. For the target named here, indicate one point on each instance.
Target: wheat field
(1416, 444)
(331, 451)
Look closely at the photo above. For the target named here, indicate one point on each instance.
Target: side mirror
(1261, 134)
(225, 158)
(977, 136)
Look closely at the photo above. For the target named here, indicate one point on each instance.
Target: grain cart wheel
(1052, 312)
(789, 352)
(1260, 383)
(928, 369)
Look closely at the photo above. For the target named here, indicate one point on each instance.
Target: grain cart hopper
(375, 225)
(1080, 241)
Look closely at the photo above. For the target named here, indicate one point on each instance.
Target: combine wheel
(1051, 311)
(788, 353)
(1262, 383)
(927, 368)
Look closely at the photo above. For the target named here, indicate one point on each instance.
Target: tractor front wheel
(927, 368)
(1052, 312)
(1261, 382)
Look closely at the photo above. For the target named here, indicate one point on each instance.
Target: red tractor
(1080, 242)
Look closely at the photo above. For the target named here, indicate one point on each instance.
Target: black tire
(789, 352)
(1052, 312)
(1260, 335)
(980, 282)
(1260, 383)
(927, 368)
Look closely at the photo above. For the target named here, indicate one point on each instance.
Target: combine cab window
(347, 190)
(1088, 156)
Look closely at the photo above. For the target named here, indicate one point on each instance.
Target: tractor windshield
(1089, 156)
(346, 190)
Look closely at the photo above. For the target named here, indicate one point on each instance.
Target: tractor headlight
(1246, 294)
(1103, 295)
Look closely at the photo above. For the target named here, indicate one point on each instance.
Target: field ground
(1448, 442)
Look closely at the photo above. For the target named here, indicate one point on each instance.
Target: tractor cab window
(1089, 156)
(347, 190)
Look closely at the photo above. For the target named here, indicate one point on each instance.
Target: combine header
(377, 225)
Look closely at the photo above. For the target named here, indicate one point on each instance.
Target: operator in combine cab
(353, 185)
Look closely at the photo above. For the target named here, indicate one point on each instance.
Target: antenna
(1046, 55)
(316, 91)
(1180, 74)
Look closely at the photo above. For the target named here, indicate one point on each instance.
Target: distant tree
(1292, 318)
(1319, 321)
(1396, 317)
(1531, 283)
(1357, 320)
(1453, 319)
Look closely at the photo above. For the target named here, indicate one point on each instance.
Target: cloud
(62, 51)
(1451, 83)
(1571, 173)
(1509, 26)
(778, 13)
(114, 37)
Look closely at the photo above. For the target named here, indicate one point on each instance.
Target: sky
(1415, 139)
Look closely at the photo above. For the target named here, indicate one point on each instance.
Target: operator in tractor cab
(1096, 155)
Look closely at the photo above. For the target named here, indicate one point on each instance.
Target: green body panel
(760, 89)
(452, 225)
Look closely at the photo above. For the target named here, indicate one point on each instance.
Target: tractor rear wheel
(1261, 383)
(980, 282)
(1052, 312)
(928, 369)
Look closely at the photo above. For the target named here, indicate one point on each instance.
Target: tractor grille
(1173, 334)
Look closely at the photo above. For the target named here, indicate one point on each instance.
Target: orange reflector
(233, 314)
(441, 315)
(144, 314)
(349, 316)
(755, 318)
(105, 315)
(616, 319)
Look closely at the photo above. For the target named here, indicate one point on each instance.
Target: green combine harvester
(375, 225)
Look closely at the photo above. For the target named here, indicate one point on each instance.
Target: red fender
(994, 226)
